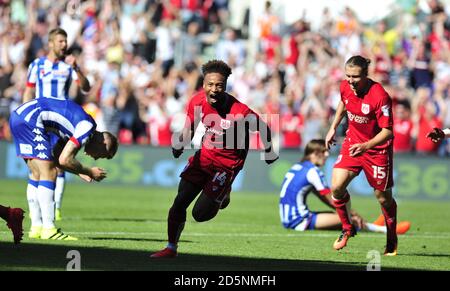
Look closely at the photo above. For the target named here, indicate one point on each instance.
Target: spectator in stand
(426, 119)
(291, 128)
(403, 127)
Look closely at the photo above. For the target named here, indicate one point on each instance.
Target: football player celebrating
(213, 168)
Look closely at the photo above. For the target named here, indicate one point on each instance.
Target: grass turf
(119, 227)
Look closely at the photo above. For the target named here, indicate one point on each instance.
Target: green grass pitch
(119, 227)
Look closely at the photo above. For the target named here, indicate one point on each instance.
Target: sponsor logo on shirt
(357, 118)
(60, 73)
(214, 131)
(43, 74)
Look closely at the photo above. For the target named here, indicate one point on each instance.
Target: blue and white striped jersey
(65, 118)
(51, 79)
(298, 182)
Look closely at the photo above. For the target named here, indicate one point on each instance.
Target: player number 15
(379, 172)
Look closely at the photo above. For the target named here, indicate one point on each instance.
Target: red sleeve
(342, 89)
(190, 110)
(31, 85)
(384, 109)
(193, 111)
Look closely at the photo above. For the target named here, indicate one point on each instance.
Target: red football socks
(343, 211)
(390, 216)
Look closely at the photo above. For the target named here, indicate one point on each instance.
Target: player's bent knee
(202, 215)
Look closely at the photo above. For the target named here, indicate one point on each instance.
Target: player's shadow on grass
(430, 255)
(53, 256)
(118, 219)
(135, 239)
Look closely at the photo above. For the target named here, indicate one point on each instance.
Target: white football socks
(59, 191)
(375, 228)
(33, 203)
(46, 195)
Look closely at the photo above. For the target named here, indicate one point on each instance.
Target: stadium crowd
(143, 59)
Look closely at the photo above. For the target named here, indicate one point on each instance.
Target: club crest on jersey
(365, 108)
(225, 124)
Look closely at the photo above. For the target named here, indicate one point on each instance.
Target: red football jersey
(367, 114)
(402, 135)
(224, 142)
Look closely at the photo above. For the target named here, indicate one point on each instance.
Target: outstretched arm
(185, 137)
(270, 155)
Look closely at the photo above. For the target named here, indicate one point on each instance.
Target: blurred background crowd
(143, 59)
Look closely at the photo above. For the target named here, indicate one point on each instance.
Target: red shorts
(377, 167)
(215, 181)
